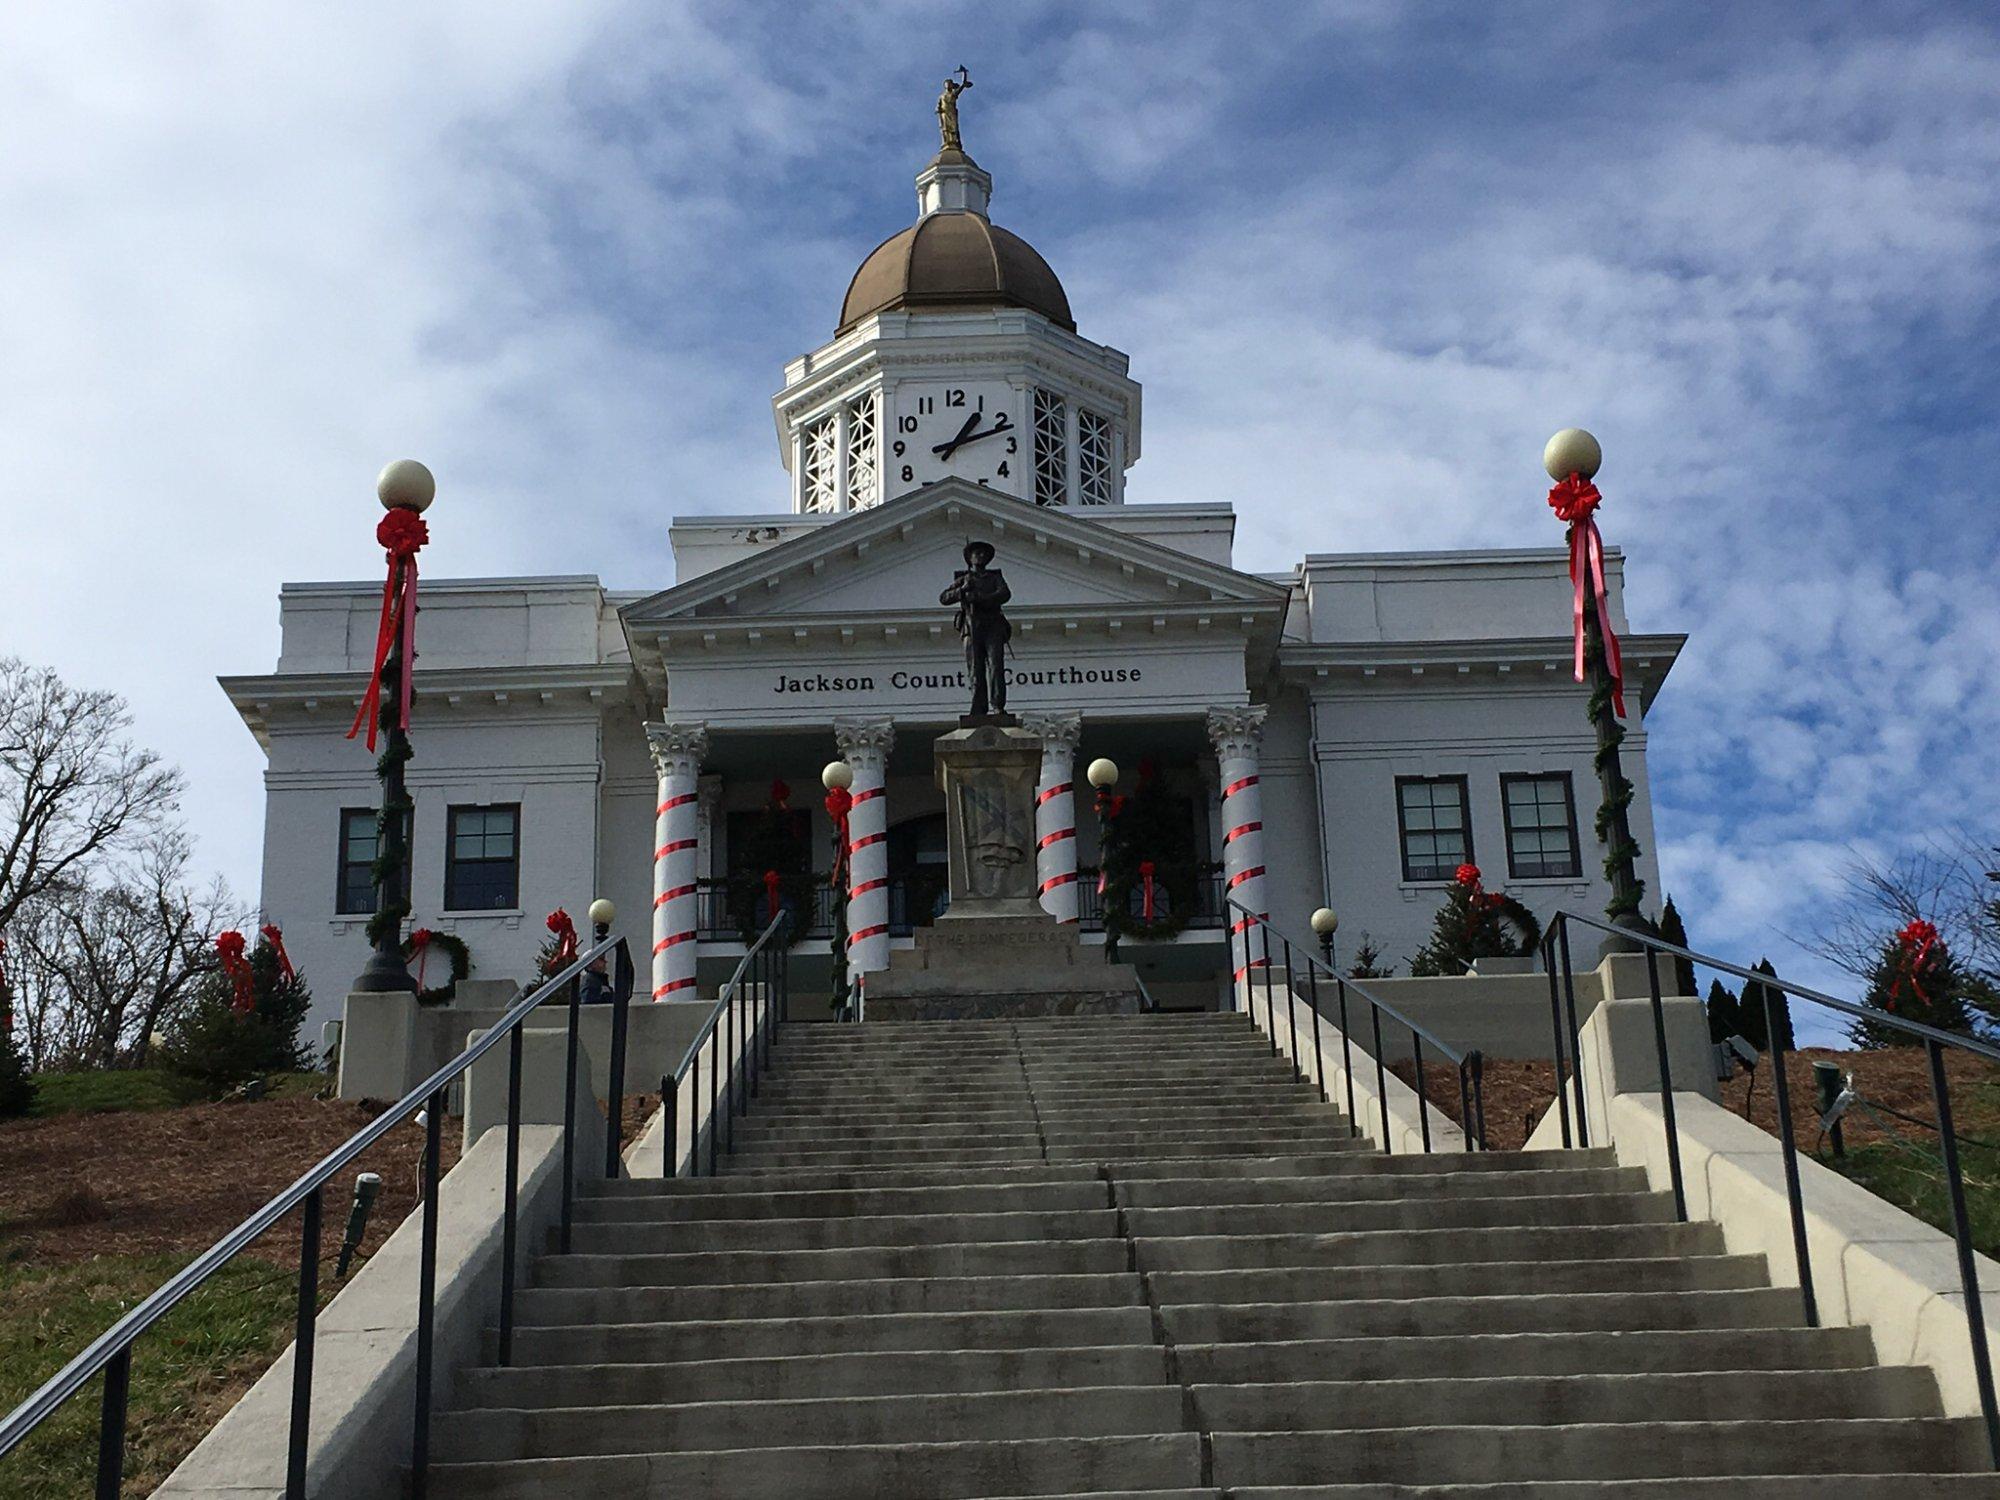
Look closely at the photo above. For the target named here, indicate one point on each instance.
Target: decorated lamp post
(1103, 776)
(1325, 923)
(406, 489)
(838, 777)
(1572, 458)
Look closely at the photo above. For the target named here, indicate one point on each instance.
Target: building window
(820, 485)
(354, 889)
(1541, 827)
(1432, 815)
(863, 466)
(1051, 450)
(1093, 458)
(482, 865)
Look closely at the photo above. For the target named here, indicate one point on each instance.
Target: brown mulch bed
(1516, 1093)
(176, 1180)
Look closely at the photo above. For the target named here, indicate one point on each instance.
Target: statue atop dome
(947, 109)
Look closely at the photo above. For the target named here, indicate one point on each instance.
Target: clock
(957, 430)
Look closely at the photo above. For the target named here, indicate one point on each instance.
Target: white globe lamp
(406, 485)
(1572, 451)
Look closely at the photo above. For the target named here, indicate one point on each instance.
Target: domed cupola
(954, 256)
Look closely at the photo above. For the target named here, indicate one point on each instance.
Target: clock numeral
(899, 448)
(907, 474)
(954, 397)
(925, 406)
(906, 424)
(1012, 445)
(1002, 471)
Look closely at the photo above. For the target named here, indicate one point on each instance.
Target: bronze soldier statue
(979, 592)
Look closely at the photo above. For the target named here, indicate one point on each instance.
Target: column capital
(864, 743)
(678, 748)
(1057, 732)
(1237, 732)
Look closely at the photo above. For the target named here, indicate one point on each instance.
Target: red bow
(1466, 875)
(420, 942)
(772, 880)
(401, 533)
(276, 939)
(839, 803)
(1915, 943)
(1574, 500)
(565, 931)
(229, 949)
(1146, 876)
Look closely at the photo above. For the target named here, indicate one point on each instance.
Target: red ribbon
(1574, 500)
(420, 943)
(565, 931)
(772, 880)
(270, 933)
(401, 533)
(839, 803)
(1146, 875)
(1466, 875)
(229, 949)
(1915, 942)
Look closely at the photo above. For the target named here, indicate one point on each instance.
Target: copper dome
(954, 259)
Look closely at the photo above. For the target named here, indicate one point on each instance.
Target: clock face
(952, 430)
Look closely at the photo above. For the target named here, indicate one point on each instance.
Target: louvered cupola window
(1051, 450)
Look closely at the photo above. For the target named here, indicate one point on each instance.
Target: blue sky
(1365, 257)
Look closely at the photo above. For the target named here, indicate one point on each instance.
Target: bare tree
(101, 967)
(1951, 883)
(72, 784)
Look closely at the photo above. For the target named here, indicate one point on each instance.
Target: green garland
(1619, 792)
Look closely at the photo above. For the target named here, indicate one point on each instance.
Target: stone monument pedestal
(996, 953)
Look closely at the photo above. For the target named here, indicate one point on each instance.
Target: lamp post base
(1617, 942)
(385, 974)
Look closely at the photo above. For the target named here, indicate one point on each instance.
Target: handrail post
(420, 1432)
(1782, 1095)
(1423, 1095)
(1229, 931)
(1292, 1010)
(1346, 1053)
(1575, 1040)
(670, 1112)
(1667, 1087)
(1556, 1026)
(569, 1117)
(1319, 1057)
(1465, 1098)
(614, 1144)
(1270, 1001)
(694, 1117)
(302, 1347)
(1968, 1268)
(1478, 1062)
(111, 1424)
(714, 1099)
(1381, 1079)
(510, 1196)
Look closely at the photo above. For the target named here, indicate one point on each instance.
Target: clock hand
(944, 450)
(1000, 424)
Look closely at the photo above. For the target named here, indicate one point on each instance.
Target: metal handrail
(1556, 958)
(1470, 1063)
(769, 958)
(110, 1351)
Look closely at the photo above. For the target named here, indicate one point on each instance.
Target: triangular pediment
(890, 562)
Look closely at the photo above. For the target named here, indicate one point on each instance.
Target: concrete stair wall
(1138, 1257)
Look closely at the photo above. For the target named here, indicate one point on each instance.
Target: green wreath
(452, 948)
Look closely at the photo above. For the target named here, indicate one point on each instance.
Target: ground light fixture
(367, 1188)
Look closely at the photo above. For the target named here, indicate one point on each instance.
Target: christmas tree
(1475, 923)
(244, 1020)
(1917, 978)
(1149, 869)
(772, 872)
(1367, 961)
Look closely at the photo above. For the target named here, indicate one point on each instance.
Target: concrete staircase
(1136, 1257)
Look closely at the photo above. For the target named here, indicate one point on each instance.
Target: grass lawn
(185, 1372)
(104, 1090)
(1911, 1176)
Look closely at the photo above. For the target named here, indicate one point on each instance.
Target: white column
(1237, 734)
(1055, 812)
(865, 748)
(677, 754)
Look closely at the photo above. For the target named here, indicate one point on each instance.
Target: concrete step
(1382, 1186)
(1104, 1255)
(832, 1232)
(1505, 1354)
(1355, 1157)
(1556, 1400)
(1436, 1211)
(1330, 1283)
(996, 1198)
(495, 1433)
(891, 1471)
(786, 1158)
(1726, 1487)
(1465, 1454)
(839, 1333)
(1448, 1313)
(1001, 1054)
(1137, 1112)
(820, 1299)
(1438, 1249)
(1234, 1149)
(797, 1377)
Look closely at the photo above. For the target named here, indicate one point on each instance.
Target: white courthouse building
(1379, 718)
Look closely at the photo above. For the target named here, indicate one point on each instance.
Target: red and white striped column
(1055, 811)
(1238, 735)
(865, 748)
(678, 750)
